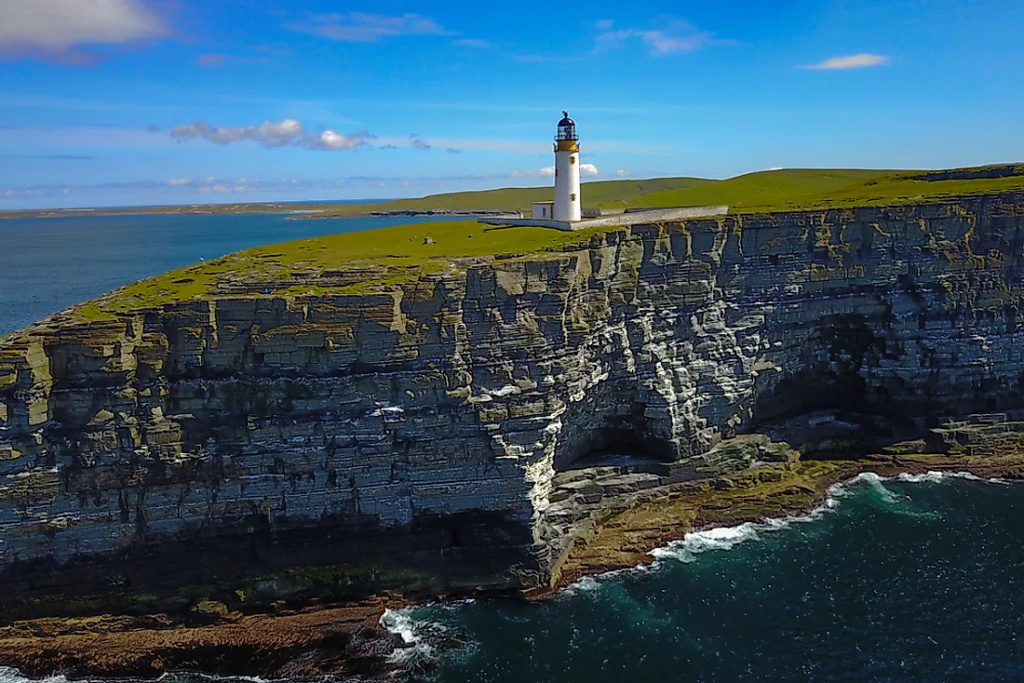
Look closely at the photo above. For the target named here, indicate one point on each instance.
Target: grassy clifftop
(346, 263)
(364, 262)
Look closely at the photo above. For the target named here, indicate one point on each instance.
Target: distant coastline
(324, 211)
(196, 209)
(315, 215)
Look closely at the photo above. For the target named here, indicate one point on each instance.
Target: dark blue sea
(915, 579)
(48, 264)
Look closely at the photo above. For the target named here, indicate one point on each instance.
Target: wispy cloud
(54, 157)
(359, 27)
(622, 173)
(674, 37)
(215, 59)
(418, 143)
(548, 58)
(858, 61)
(63, 30)
(70, 103)
(272, 134)
(473, 42)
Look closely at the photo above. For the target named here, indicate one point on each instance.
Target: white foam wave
(195, 677)
(933, 477)
(697, 543)
(9, 675)
(417, 635)
(587, 584)
(726, 538)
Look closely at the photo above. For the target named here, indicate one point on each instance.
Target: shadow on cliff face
(840, 405)
(623, 447)
(598, 435)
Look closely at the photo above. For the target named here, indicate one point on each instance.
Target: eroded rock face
(422, 429)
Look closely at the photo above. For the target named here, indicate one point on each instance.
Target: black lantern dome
(566, 129)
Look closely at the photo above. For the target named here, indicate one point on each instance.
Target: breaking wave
(9, 675)
(714, 539)
(424, 639)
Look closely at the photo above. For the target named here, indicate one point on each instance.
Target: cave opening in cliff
(625, 448)
(625, 438)
(838, 405)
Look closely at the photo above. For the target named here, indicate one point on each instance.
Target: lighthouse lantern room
(567, 171)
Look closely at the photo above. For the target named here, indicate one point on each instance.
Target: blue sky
(113, 102)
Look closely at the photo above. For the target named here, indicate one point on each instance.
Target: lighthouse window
(572, 197)
(572, 160)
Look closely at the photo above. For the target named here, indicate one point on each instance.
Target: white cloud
(179, 181)
(268, 133)
(56, 27)
(272, 134)
(589, 170)
(360, 27)
(622, 173)
(330, 140)
(858, 61)
(676, 37)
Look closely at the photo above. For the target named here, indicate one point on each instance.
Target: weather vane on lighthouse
(567, 171)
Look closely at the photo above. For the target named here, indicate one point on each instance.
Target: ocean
(913, 579)
(48, 264)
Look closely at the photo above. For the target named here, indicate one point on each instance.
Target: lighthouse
(567, 171)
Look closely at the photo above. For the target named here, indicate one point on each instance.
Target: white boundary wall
(633, 218)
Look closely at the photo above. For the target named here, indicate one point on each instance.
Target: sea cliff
(432, 435)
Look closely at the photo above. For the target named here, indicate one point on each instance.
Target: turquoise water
(896, 581)
(48, 264)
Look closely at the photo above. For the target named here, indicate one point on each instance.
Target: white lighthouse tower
(567, 171)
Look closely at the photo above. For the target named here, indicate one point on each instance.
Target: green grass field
(779, 190)
(376, 261)
(610, 193)
(392, 255)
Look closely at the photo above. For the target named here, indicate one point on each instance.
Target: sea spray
(9, 675)
(423, 638)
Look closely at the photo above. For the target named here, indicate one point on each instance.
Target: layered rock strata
(415, 435)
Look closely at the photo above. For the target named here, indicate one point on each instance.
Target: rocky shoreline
(342, 641)
(349, 640)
